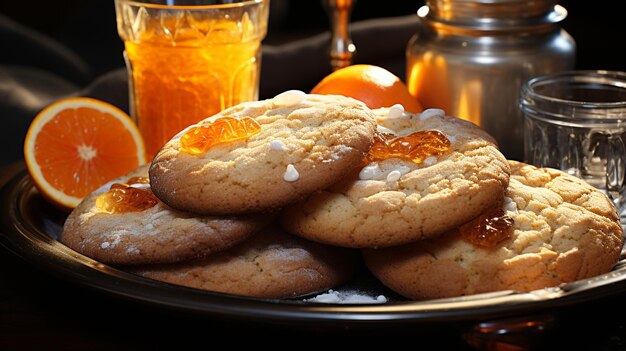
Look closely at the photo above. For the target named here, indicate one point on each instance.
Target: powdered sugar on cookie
(291, 174)
(509, 205)
(277, 145)
(429, 161)
(290, 97)
(159, 214)
(384, 130)
(389, 171)
(431, 112)
(371, 171)
(394, 176)
(348, 297)
(396, 111)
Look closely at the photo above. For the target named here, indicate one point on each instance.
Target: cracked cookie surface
(157, 235)
(271, 264)
(394, 202)
(306, 143)
(564, 230)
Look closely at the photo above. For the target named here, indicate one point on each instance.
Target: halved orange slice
(75, 145)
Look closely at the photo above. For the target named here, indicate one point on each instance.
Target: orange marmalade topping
(414, 147)
(124, 198)
(489, 229)
(225, 129)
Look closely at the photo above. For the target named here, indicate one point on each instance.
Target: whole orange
(373, 85)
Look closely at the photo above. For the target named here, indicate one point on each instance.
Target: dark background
(88, 27)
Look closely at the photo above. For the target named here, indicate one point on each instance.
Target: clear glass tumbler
(575, 121)
(189, 59)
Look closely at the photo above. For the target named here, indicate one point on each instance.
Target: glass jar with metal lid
(472, 58)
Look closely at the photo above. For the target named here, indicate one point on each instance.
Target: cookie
(395, 201)
(306, 143)
(271, 264)
(158, 234)
(563, 230)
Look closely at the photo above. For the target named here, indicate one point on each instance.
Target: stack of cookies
(323, 185)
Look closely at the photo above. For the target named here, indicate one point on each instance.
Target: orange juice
(186, 64)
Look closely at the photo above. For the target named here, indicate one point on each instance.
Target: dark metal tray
(29, 227)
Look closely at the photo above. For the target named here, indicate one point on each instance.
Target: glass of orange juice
(188, 60)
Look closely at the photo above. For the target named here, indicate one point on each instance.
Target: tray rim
(32, 244)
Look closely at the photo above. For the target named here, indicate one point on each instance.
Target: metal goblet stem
(342, 49)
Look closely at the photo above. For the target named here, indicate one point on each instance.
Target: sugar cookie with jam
(271, 264)
(122, 222)
(426, 174)
(560, 229)
(275, 152)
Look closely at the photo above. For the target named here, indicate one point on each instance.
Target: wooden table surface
(41, 311)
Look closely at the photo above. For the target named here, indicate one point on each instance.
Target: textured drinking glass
(575, 121)
(188, 60)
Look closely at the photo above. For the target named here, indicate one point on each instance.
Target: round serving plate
(29, 227)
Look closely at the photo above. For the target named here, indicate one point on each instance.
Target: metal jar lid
(492, 14)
